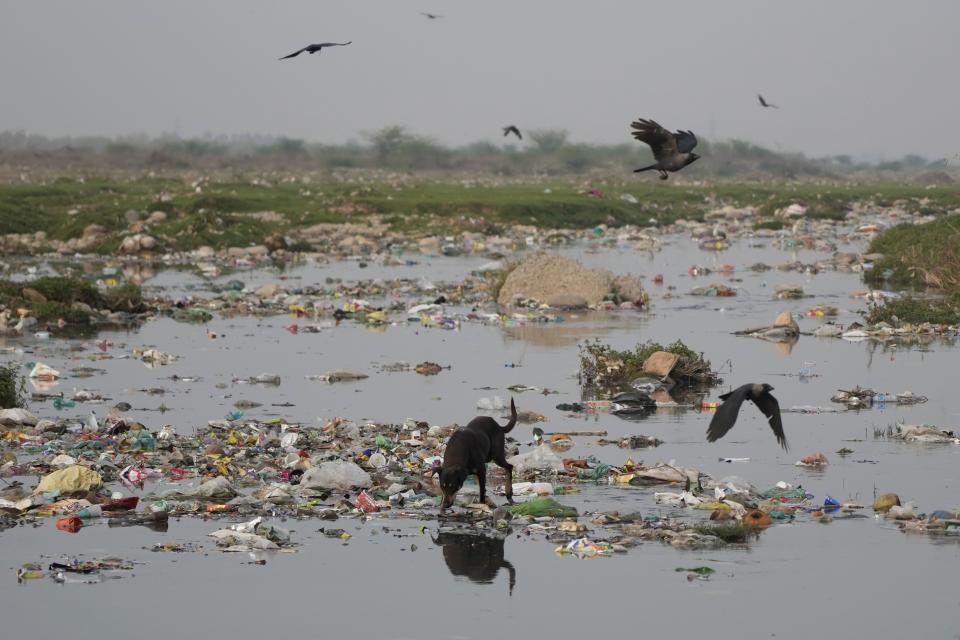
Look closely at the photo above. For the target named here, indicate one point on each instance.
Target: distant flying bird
(512, 129)
(431, 16)
(672, 151)
(759, 394)
(764, 103)
(314, 48)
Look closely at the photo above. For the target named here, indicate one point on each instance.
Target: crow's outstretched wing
(332, 44)
(726, 415)
(662, 142)
(771, 408)
(686, 141)
(294, 54)
(512, 129)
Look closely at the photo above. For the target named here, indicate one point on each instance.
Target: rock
(542, 276)
(130, 244)
(205, 252)
(267, 290)
(132, 215)
(147, 242)
(17, 418)
(785, 319)
(567, 301)
(33, 295)
(660, 363)
(628, 287)
(157, 217)
(257, 251)
(883, 502)
(93, 231)
(275, 241)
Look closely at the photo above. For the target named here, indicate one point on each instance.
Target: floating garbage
(858, 398)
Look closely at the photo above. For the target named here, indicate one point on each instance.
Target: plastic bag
(539, 459)
(70, 479)
(336, 475)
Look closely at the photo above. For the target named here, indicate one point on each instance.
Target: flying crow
(726, 415)
(764, 103)
(431, 16)
(512, 129)
(672, 151)
(314, 48)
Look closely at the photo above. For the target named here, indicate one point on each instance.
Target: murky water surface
(856, 578)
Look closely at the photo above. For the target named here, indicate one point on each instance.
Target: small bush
(13, 387)
(67, 290)
(607, 368)
(127, 297)
(773, 225)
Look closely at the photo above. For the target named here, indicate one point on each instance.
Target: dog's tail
(513, 418)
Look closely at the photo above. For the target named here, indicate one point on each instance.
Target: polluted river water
(395, 578)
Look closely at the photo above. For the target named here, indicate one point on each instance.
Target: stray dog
(469, 450)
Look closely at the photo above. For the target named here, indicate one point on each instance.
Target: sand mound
(545, 276)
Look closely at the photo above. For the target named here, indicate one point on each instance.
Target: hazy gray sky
(872, 78)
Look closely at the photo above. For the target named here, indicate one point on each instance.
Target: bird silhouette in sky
(316, 48)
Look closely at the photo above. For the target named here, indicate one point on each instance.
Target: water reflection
(476, 557)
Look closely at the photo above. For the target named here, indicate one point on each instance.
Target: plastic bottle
(88, 513)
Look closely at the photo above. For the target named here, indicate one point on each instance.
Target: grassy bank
(73, 300)
(925, 255)
(223, 213)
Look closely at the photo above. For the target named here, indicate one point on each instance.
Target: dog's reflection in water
(477, 558)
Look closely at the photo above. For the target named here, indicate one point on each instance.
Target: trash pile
(649, 367)
(73, 570)
(784, 328)
(925, 433)
(858, 398)
(884, 332)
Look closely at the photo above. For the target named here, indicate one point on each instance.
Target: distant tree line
(543, 151)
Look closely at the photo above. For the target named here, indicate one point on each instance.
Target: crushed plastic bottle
(62, 403)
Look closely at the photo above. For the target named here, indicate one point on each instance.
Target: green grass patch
(219, 214)
(913, 311)
(65, 297)
(927, 254)
(774, 224)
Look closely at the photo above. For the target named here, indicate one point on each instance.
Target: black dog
(469, 450)
(474, 557)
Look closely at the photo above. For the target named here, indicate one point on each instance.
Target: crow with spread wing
(315, 48)
(672, 151)
(512, 129)
(764, 103)
(726, 415)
